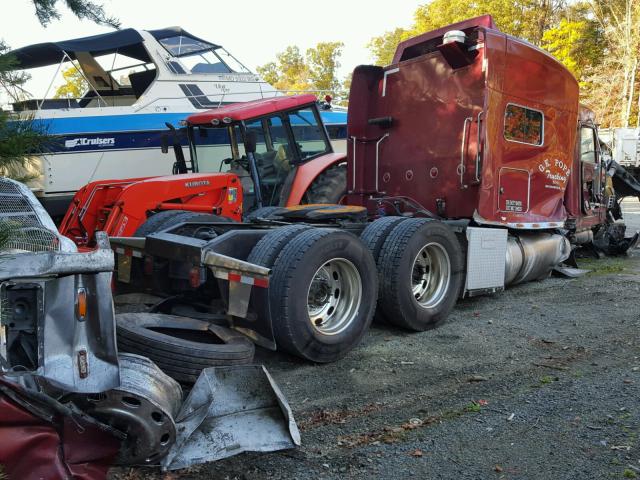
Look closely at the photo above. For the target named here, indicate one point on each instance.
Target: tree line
(597, 40)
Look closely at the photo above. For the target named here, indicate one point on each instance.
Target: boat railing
(200, 101)
(216, 100)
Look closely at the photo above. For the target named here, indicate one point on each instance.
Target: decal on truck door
(556, 173)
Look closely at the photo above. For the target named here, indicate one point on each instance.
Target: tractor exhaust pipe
(531, 256)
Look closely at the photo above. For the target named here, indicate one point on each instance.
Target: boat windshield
(199, 56)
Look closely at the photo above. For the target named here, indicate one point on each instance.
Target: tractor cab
(263, 142)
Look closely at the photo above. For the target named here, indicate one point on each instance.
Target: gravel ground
(539, 382)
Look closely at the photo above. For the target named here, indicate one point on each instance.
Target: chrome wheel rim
(334, 296)
(430, 275)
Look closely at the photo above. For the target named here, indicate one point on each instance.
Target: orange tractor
(243, 157)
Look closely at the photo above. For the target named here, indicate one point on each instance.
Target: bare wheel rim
(334, 296)
(430, 275)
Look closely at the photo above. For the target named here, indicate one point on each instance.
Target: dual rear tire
(420, 271)
(325, 283)
(322, 291)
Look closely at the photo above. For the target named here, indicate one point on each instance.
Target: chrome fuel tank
(530, 256)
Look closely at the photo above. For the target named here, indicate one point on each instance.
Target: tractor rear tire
(330, 186)
(168, 218)
(421, 267)
(155, 222)
(322, 294)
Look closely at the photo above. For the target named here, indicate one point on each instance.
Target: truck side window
(587, 145)
(523, 125)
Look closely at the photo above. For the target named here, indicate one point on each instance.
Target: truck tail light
(81, 303)
(148, 265)
(195, 277)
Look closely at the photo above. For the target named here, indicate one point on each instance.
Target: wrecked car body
(72, 404)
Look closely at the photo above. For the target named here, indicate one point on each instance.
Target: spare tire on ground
(182, 347)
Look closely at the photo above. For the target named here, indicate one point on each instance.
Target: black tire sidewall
(312, 344)
(413, 315)
(155, 222)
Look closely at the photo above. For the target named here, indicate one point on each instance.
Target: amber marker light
(81, 303)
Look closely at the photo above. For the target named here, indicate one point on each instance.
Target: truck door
(592, 171)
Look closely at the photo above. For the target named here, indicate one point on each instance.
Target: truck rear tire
(269, 247)
(322, 294)
(329, 187)
(375, 234)
(421, 270)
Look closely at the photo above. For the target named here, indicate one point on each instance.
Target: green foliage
(472, 407)
(316, 70)
(75, 84)
(322, 64)
(18, 139)
(11, 80)
(575, 43)
(384, 46)
(48, 10)
(288, 72)
(597, 40)
(506, 13)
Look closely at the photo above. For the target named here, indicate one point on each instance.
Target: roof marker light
(215, 121)
(227, 120)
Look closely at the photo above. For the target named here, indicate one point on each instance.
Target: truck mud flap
(231, 410)
(244, 286)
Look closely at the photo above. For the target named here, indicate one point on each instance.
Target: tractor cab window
(309, 134)
(210, 148)
(587, 145)
(273, 156)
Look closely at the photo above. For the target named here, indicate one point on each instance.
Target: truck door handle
(478, 148)
(461, 167)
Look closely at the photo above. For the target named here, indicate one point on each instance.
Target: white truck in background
(624, 144)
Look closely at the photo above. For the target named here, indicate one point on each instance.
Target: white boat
(137, 82)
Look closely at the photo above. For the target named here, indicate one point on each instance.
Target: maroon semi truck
(471, 166)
